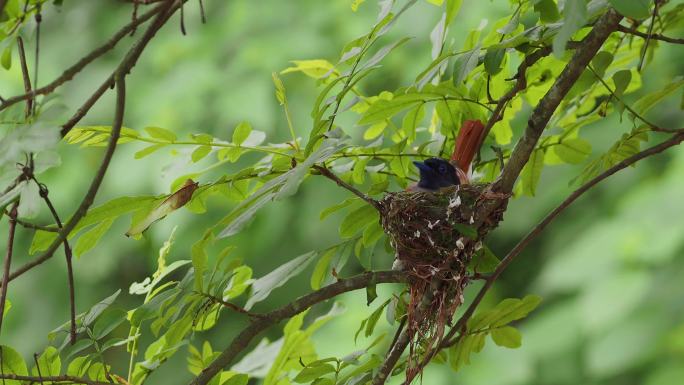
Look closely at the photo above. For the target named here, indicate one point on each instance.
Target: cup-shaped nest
(428, 228)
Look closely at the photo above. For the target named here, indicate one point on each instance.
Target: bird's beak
(422, 166)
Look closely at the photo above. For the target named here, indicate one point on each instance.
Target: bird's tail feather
(467, 141)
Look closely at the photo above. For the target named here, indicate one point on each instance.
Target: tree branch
(70, 72)
(8, 260)
(541, 115)
(460, 324)
(243, 339)
(654, 36)
(391, 360)
(167, 9)
(328, 174)
(53, 379)
(68, 255)
(33, 226)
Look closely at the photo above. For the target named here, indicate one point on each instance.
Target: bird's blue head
(436, 173)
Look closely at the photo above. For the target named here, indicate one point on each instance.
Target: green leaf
(242, 278)
(78, 367)
(332, 209)
(384, 109)
(311, 373)
(262, 287)
(49, 363)
(148, 150)
(161, 133)
(452, 8)
(465, 64)
(531, 173)
(200, 259)
(355, 4)
(357, 220)
(372, 320)
(237, 379)
(574, 18)
(12, 363)
(90, 238)
(108, 321)
(493, 59)
(573, 150)
(548, 10)
(622, 79)
(241, 132)
(635, 9)
(647, 101)
(314, 68)
(6, 58)
(279, 88)
(507, 336)
(601, 61)
(465, 230)
(199, 153)
(484, 261)
(322, 268)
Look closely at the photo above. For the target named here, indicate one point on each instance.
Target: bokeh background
(610, 269)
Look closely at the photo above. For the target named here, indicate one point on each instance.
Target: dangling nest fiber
(435, 236)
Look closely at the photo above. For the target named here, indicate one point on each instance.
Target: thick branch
(242, 340)
(541, 115)
(460, 324)
(391, 359)
(70, 72)
(127, 63)
(653, 36)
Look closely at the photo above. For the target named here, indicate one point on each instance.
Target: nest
(435, 235)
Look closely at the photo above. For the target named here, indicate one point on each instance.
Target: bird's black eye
(442, 169)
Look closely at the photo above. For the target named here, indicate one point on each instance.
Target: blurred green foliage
(609, 269)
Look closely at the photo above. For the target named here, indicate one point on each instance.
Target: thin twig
(33, 226)
(8, 260)
(25, 75)
(229, 305)
(329, 174)
(653, 36)
(644, 49)
(70, 72)
(243, 339)
(43, 190)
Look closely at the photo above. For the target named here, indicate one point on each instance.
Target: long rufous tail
(467, 143)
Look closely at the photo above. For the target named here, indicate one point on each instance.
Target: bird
(436, 173)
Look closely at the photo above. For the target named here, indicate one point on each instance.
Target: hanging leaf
(169, 205)
(465, 64)
(635, 9)
(262, 287)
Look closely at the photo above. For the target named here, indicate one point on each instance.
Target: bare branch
(391, 359)
(328, 174)
(229, 305)
(70, 72)
(8, 259)
(33, 226)
(541, 115)
(243, 339)
(654, 36)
